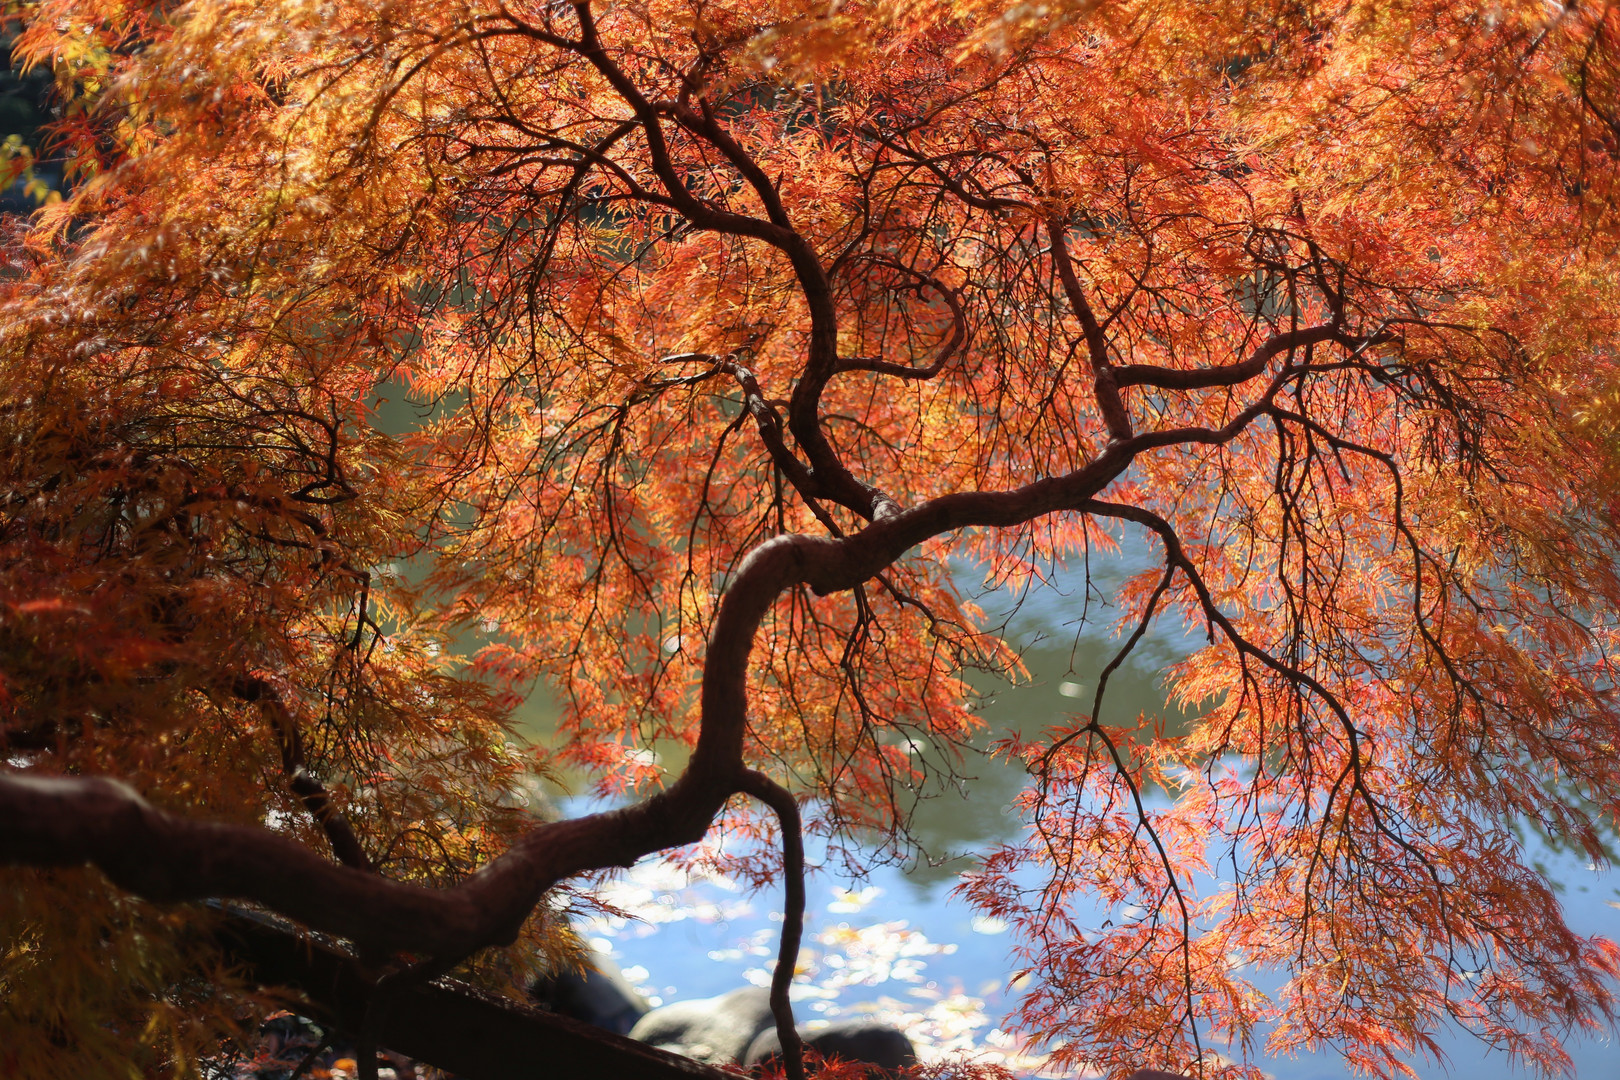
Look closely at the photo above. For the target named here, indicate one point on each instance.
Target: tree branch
(952, 344)
(833, 480)
(68, 821)
(1232, 374)
(1106, 389)
(339, 833)
(781, 801)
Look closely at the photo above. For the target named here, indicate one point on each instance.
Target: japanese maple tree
(734, 331)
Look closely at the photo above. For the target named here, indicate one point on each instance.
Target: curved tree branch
(958, 335)
(1106, 388)
(68, 821)
(781, 802)
(339, 833)
(1232, 374)
(64, 821)
(832, 479)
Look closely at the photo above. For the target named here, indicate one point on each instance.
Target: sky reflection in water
(899, 949)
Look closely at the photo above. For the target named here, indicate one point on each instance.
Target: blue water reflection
(898, 947)
(918, 958)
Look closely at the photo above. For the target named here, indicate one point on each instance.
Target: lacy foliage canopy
(734, 331)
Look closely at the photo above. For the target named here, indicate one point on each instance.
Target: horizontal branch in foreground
(164, 857)
(444, 1023)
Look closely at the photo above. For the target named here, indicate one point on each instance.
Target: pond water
(909, 954)
(898, 947)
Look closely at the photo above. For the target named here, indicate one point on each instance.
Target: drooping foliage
(383, 360)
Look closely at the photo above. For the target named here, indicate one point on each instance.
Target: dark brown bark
(303, 783)
(780, 800)
(68, 821)
(65, 821)
(442, 1022)
(1232, 374)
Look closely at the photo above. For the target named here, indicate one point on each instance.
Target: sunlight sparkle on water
(874, 969)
